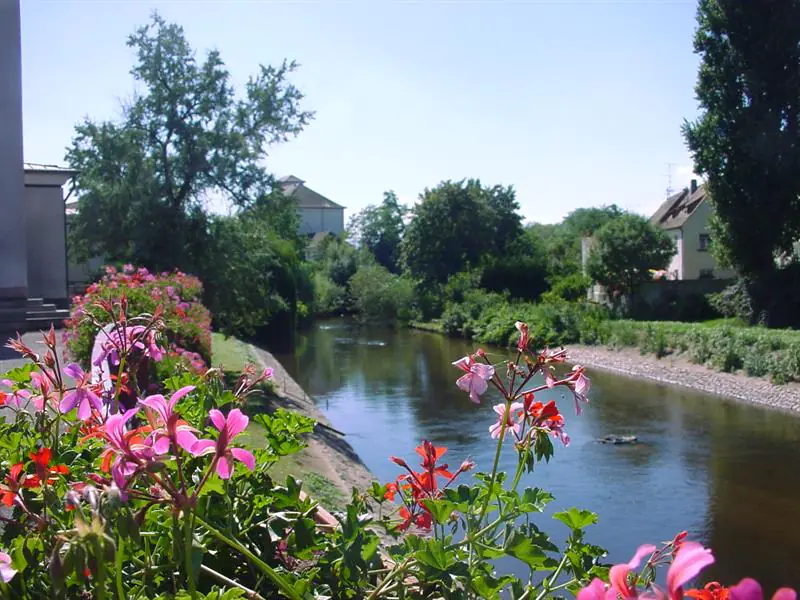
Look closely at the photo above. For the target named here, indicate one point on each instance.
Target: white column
(13, 247)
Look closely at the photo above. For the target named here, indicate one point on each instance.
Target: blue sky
(575, 103)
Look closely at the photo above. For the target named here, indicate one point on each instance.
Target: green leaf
(523, 548)
(576, 519)
(535, 499)
(490, 587)
(440, 509)
(433, 554)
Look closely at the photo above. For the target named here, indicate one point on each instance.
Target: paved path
(9, 359)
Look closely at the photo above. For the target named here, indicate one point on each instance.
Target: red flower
(711, 591)
(14, 481)
(41, 462)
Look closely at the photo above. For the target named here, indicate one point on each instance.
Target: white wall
(675, 268)
(695, 260)
(314, 220)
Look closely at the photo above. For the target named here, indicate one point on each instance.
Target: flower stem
(496, 462)
(283, 585)
(100, 586)
(120, 557)
(188, 527)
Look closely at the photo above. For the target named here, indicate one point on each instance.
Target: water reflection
(724, 471)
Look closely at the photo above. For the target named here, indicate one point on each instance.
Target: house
(684, 216)
(317, 213)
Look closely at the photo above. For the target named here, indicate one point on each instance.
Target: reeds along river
(728, 473)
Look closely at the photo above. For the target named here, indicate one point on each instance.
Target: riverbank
(328, 455)
(675, 369)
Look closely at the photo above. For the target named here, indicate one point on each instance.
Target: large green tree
(456, 224)
(625, 249)
(185, 138)
(380, 229)
(747, 138)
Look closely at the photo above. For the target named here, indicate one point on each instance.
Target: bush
(329, 298)
(177, 295)
(379, 295)
(733, 301)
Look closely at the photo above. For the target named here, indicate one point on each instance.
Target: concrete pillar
(13, 246)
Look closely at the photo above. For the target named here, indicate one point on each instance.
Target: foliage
(520, 271)
(379, 295)
(626, 248)
(379, 229)
(175, 297)
(335, 258)
(734, 301)
(745, 139)
(143, 182)
(252, 276)
(455, 225)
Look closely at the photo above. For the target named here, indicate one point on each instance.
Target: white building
(685, 217)
(318, 214)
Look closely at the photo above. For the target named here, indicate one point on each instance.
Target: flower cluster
(417, 487)
(686, 560)
(176, 296)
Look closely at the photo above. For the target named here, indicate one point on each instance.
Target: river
(726, 472)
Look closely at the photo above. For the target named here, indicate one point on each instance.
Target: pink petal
(746, 589)
(7, 572)
(478, 387)
(245, 457)
(690, 559)
(158, 403)
(225, 467)
(176, 397)
(203, 447)
(217, 418)
(161, 445)
(74, 371)
(463, 363)
(549, 379)
(68, 402)
(186, 439)
(464, 382)
(84, 409)
(594, 591)
(237, 422)
(785, 594)
(500, 409)
(485, 372)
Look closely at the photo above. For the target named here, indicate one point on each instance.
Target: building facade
(317, 213)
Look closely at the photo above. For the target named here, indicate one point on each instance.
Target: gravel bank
(679, 371)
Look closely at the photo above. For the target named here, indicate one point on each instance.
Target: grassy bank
(232, 354)
(724, 344)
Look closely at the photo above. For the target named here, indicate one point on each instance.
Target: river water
(726, 472)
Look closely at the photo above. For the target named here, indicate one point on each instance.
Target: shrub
(329, 297)
(177, 295)
(379, 295)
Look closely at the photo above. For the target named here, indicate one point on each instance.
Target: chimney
(693, 187)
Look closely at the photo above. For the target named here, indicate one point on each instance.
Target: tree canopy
(625, 249)
(455, 224)
(746, 139)
(184, 139)
(379, 229)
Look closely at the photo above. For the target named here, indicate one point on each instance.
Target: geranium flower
(749, 589)
(44, 472)
(41, 381)
(507, 416)
(7, 572)
(13, 398)
(580, 385)
(475, 380)
(127, 448)
(522, 344)
(171, 426)
(229, 428)
(83, 396)
(14, 481)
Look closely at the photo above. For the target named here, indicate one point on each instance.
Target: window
(706, 274)
(704, 243)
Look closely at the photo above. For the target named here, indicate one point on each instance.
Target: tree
(625, 249)
(183, 139)
(455, 224)
(380, 229)
(746, 138)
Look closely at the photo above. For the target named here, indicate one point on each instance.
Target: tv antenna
(669, 179)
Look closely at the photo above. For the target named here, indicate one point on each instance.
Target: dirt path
(328, 453)
(676, 370)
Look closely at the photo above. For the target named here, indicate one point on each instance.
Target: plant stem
(549, 582)
(120, 557)
(100, 586)
(398, 570)
(283, 585)
(496, 462)
(188, 527)
(221, 578)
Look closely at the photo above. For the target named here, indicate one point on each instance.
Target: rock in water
(619, 439)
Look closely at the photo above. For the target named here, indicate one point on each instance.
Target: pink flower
(690, 559)
(41, 382)
(476, 378)
(580, 385)
(171, 425)
(7, 572)
(13, 398)
(82, 396)
(522, 344)
(749, 589)
(618, 575)
(508, 417)
(229, 428)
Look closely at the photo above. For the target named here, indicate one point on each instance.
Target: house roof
(295, 187)
(677, 209)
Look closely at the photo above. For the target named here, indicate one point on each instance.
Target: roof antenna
(670, 190)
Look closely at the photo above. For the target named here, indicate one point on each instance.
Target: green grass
(726, 322)
(230, 353)
(316, 485)
(434, 326)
